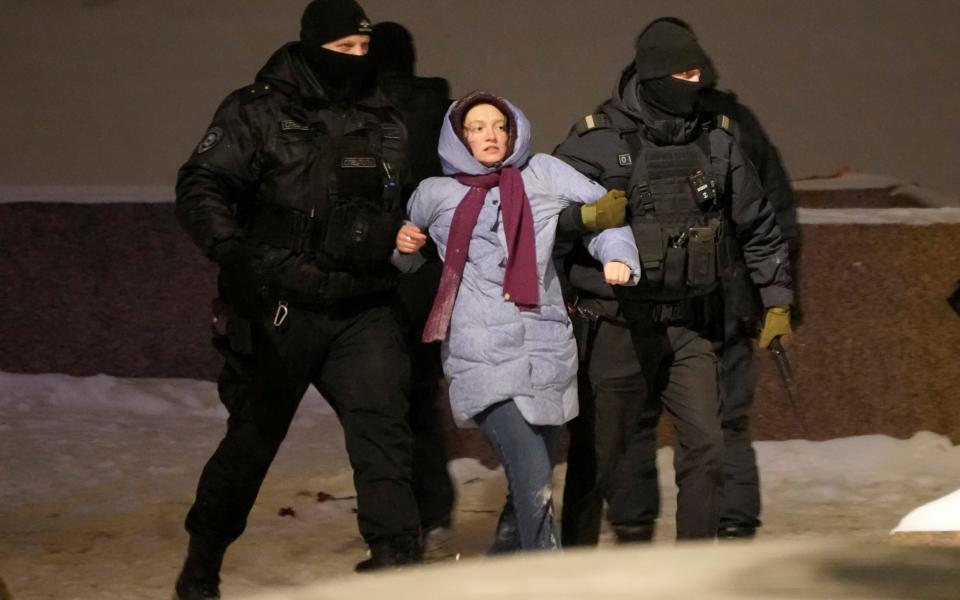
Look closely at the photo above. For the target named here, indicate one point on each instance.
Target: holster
(584, 330)
(232, 335)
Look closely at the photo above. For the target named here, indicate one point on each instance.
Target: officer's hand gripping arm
(607, 211)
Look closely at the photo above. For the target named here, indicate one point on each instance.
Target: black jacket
(753, 140)
(271, 170)
(595, 147)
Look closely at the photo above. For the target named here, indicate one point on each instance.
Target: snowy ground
(97, 475)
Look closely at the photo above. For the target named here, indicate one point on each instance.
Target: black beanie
(667, 46)
(325, 21)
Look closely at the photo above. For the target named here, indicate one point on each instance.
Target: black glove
(242, 287)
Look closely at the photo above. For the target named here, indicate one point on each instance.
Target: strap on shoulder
(597, 120)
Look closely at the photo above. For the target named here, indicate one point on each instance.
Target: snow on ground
(943, 514)
(98, 473)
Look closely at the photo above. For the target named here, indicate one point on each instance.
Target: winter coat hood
(456, 157)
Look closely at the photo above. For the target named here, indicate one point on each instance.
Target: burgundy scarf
(520, 282)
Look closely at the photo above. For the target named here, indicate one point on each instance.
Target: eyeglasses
(474, 129)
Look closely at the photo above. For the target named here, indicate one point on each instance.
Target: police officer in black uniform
(695, 206)
(294, 192)
(422, 102)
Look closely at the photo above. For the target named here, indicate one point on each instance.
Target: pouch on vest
(674, 266)
(702, 255)
(675, 217)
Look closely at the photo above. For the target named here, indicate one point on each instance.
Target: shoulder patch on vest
(255, 91)
(723, 122)
(592, 121)
(293, 125)
(210, 139)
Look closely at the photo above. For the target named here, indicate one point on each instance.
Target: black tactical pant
(611, 390)
(432, 484)
(633, 375)
(741, 487)
(740, 505)
(356, 359)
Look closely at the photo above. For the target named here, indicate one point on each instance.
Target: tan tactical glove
(776, 324)
(609, 210)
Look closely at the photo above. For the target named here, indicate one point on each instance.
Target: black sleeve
(776, 182)
(220, 172)
(578, 152)
(764, 248)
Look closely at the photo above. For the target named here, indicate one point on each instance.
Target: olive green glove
(776, 324)
(609, 210)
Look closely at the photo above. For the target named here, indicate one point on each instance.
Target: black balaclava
(343, 76)
(667, 46)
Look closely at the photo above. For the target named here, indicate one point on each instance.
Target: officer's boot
(436, 541)
(633, 534)
(200, 577)
(737, 532)
(392, 553)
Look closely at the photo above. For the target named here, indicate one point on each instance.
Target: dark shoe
(743, 532)
(200, 577)
(391, 554)
(436, 543)
(633, 534)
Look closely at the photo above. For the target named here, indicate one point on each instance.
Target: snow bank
(940, 515)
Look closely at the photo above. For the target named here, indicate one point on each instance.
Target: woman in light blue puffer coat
(508, 348)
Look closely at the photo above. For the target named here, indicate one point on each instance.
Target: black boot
(436, 542)
(737, 532)
(392, 553)
(633, 534)
(200, 577)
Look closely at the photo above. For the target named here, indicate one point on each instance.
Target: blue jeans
(525, 451)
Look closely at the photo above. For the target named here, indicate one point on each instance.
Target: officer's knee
(739, 424)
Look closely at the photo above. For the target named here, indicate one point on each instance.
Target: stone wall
(119, 289)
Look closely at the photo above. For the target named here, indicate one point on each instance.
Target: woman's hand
(616, 273)
(410, 239)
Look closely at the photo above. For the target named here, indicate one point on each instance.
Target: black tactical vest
(341, 202)
(676, 213)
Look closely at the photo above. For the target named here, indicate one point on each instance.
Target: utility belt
(703, 314)
(586, 314)
(595, 310)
